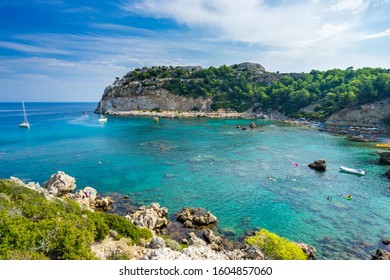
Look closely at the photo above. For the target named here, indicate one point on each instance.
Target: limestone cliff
(367, 115)
(126, 94)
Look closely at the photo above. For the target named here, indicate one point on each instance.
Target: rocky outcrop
(152, 217)
(60, 184)
(30, 185)
(381, 255)
(103, 203)
(367, 115)
(318, 165)
(310, 251)
(215, 242)
(196, 217)
(384, 158)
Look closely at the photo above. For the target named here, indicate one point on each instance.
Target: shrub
(173, 244)
(32, 227)
(126, 229)
(276, 247)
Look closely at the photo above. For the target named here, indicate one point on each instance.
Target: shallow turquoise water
(211, 164)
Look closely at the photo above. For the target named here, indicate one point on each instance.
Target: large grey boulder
(60, 184)
(318, 165)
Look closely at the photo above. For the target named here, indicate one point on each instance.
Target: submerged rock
(318, 165)
(387, 173)
(384, 158)
(60, 184)
(385, 241)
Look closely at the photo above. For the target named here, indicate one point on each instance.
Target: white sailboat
(102, 119)
(25, 123)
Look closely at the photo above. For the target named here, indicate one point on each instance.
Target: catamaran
(102, 118)
(25, 123)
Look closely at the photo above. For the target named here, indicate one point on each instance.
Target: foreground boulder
(381, 255)
(318, 165)
(60, 184)
(196, 217)
(152, 217)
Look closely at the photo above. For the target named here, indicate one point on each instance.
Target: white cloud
(290, 24)
(377, 35)
(350, 5)
(28, 48)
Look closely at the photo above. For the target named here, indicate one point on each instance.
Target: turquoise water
(211, 164)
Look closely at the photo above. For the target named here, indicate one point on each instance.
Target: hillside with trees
(248, 86)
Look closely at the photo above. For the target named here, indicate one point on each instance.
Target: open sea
(210, 163)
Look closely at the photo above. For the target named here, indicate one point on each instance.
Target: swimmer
(271, 178)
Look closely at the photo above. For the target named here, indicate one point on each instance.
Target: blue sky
(58, 50)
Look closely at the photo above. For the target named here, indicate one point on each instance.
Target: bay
(212, 164)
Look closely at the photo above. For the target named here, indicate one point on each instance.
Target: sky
(68, 50)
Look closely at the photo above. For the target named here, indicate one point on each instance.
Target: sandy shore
(184, 114)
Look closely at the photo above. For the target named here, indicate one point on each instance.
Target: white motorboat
(352, 170)
(102, 119)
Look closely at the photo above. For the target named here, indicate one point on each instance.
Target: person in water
(348, 196)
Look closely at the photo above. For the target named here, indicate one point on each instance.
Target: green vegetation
(276, 247)
(32, 227)
(244, 86)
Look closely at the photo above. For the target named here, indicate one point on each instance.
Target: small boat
(102, 119)
(383, 145)
(25, 123)
(352, 170)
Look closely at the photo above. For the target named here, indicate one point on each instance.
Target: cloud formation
(292, 28)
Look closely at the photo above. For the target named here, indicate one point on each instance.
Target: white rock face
(160, 99)
(60, 184)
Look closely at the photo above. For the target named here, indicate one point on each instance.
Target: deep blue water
(211, 164)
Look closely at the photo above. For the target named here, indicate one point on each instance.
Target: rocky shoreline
(352, 133)
(190, 235)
